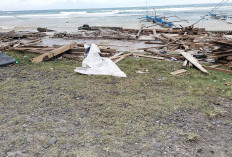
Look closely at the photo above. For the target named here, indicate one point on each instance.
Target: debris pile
(189, 45)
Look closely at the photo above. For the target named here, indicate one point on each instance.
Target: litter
(196, 44)
(94, 64)
(5, 59)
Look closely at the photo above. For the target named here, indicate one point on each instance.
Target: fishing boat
(159, 21)
(223, 17)
(212, 15)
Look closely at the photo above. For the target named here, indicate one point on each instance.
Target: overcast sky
(79, 4)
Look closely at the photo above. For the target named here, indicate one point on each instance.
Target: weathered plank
(218, 69)
(53, 53)
(179, 72)
(192, 60)
(146, 56)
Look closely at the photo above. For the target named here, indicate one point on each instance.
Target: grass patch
(102, 109)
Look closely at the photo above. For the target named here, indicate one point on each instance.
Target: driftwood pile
(189, 45)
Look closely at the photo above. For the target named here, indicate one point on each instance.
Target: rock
(50, 92)
(158, 144)
(8, 149)
(217, 103)
(126, 147)
(72, 155)
(125, 105)
(51, 142)
(175, 138)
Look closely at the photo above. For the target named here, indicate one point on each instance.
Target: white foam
(191, 8)
(74, 13)
(6, 27)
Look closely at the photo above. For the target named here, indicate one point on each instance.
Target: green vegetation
(49, 98)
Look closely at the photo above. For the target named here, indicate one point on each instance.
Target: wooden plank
(30, 48)
(119, 59)
(165, 55)
(155, 47)
(157, 43)
(6, 35)
(220, 56)
(185, 63)
(179, 72)
(192, 60)
(125, 55)
(53, 53)
(138, 34)
(146, 56)
(218, 69)
(154, 33)
(112, 45)
(71, 56)
(116, 55)
(105, 54)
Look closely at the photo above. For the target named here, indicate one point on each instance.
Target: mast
(147, 7)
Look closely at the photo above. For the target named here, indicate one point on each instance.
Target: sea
(131, 17)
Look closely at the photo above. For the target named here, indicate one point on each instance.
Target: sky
(12, 5)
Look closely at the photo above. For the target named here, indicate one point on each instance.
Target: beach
(70, 20)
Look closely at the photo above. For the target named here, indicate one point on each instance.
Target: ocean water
(70, 20)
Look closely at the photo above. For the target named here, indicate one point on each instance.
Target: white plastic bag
(94, 64)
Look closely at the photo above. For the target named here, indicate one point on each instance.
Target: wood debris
(189, 45)
(179, 72)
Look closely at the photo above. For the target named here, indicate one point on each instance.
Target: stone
(175, 138)
(51, 142)
(158, 144)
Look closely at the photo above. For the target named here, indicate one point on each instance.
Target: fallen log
(53, 53)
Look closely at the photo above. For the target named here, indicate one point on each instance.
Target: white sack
(94, 64)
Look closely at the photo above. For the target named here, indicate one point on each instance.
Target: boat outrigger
(160, 21)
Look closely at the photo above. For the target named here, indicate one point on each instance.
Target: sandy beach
(70, 20)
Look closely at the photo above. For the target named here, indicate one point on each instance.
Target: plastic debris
(94, 64)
